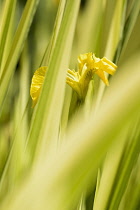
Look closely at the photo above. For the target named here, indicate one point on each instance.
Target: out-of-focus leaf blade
(16, 47)
(7, 17)
(45, 124)
(51, 45)
(128, 28)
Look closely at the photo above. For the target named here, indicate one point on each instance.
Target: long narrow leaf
(17, 45)
(45, 126)
(8, 11)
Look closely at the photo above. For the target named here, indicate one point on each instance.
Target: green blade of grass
(117, 170)
(125, 172)
(114, 35)
(49, 48)
(133, 186)
(109, 173)
(20, 127)
(128, 28)
(45, 123)
(130, 22)
(3, 150)
(107, 20)
(7, 17)
(16, 47)
(93, 15)
(116, 29)
(133, 43)
(65, 112)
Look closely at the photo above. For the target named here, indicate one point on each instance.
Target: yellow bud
(36, 84)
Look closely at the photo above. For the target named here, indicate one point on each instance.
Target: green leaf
(128, 28)
(51, 45)
(106, 25)
(17, 46)
(6, 22)
(45, 124)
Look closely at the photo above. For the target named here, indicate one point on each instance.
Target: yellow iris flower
(88, 65)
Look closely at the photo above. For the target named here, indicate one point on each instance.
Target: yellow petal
(101, 74)
(95, 58)
(85, 59)
(109, 62)
(86, 76)
(108, 66)
(36, 84)
(73, 74)
(74, 85)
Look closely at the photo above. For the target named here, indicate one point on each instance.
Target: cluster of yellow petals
(88, 65)
(36, 84)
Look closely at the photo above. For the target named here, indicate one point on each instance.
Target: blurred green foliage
(47, 159)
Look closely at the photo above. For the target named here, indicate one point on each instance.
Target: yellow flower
(85, 60)
(88, 64)
(37, 82)
(79, 82)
